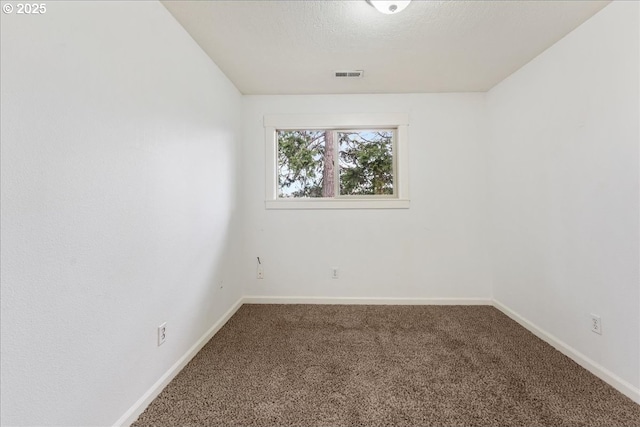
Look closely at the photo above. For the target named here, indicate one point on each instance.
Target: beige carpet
(322, 365)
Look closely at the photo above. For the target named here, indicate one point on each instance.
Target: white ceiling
(293, 47)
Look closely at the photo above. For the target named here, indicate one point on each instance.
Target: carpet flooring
(332, 365)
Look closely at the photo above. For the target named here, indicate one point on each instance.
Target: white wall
(437, 248)
(120, 174)
(564, 189)
(118, 200)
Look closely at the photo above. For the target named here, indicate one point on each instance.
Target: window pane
(366, 162)
(301, 156)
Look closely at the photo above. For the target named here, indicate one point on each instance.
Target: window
(330, 163)
(337, 161)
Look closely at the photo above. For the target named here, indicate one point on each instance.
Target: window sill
(337, 204)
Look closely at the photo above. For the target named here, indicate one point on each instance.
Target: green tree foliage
(365, 160)
(300, 163)
(366, 163)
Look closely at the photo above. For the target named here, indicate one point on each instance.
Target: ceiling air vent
(349, 74)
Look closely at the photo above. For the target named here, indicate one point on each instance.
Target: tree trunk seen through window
(328, 187)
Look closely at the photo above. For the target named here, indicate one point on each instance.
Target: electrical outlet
(334, 273)
(162, 333)
(259, 269)
(596, 324)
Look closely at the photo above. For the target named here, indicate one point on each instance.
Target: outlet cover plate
(596, 324)
(162, 334)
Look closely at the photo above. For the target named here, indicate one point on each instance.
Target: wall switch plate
(596, 324)
(162, 333)
(334, 273)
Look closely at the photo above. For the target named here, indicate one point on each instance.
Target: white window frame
(399, 122)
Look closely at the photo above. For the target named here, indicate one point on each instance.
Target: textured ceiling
(293, 47)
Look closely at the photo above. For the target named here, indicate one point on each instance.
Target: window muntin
(336, 163)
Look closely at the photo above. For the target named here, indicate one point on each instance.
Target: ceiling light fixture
(389, 7)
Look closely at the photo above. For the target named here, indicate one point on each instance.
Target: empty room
(320, 213)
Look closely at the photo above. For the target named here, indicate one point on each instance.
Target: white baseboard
(138, 408)
(365, 301)
(599, 371)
